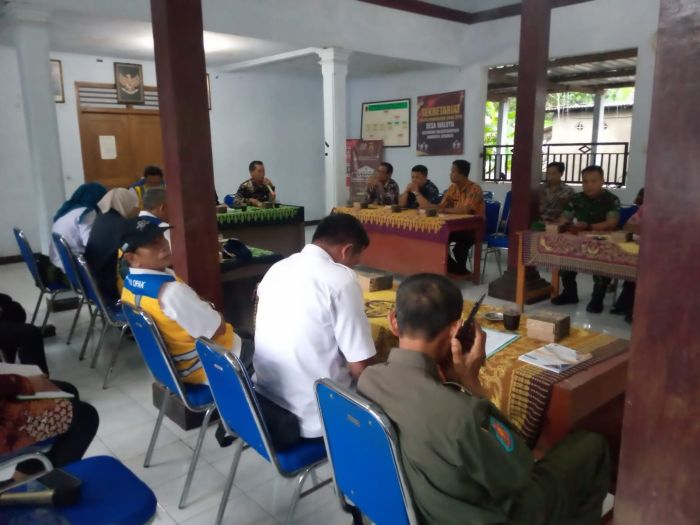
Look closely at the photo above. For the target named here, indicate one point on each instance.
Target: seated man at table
(594, 209)
(464, 461)
(152, 178)
(179, 313)
(624, 305)
(420, 192)
(155, 209)
(257, 189)
(381, 188)
(463, 197)
(554, 194)
(311, 321)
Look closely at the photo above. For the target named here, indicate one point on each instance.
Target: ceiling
(584, 73)
(131, 39)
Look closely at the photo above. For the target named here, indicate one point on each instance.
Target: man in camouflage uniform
(554, 194)
(257, 189)
(594, 209)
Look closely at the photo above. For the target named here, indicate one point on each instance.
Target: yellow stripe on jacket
(178, 341)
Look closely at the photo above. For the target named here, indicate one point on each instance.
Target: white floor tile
(127, 444)
(168, 462)
(240, 510)
(205, 493)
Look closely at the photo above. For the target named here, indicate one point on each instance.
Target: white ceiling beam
(280, 57)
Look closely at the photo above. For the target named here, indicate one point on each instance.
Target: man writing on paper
(464, 461)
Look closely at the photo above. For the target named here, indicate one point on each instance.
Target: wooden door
(135, 133)
(110, 172)
(146, 140)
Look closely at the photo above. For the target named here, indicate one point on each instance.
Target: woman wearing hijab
(116, 206)
(73, 221)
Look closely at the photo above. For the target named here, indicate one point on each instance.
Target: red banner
(362, 157)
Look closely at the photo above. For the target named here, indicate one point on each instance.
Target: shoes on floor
(565, 298)
(595, 306)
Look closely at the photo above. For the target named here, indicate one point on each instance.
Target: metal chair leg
(195, 456)
(156, 430)
(98, 348)
(295, 497)
(75, 319)
(314, 477)
(229, 481)
(38, 304)
(483, 263)
(91, 326)
(114, 357)
(49, 307)
(498, 262)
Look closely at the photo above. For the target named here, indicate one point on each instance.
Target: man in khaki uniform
(465, 463)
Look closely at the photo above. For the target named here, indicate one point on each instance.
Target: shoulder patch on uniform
(502, 434)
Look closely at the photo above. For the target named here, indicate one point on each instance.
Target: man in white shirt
(311, 321)
(155, 209)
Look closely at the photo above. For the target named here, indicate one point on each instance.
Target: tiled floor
(127, 416)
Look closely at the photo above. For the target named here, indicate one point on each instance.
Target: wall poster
(388, 121)
(441, 124)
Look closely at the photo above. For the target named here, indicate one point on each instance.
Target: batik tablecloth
(519, 390)
(581, 253)
(254, 216)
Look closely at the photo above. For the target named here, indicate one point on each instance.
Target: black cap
(140, 232)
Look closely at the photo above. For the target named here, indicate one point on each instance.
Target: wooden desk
(278, 229)
(580, 253)
(407, 242)
(573, 400)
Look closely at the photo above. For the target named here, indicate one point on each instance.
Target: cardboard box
(548, 326)
(621, 236)
(373, 282)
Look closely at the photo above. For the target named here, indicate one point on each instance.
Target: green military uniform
(582, 208)
(252, 190)
(466, 464)
(592, 211)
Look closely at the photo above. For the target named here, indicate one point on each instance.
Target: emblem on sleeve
(502, 434)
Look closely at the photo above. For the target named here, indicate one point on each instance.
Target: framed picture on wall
(57, 81)
(208, 93)
(389, 121)
(128, 79)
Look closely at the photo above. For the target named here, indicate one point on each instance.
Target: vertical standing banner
(362, 157)
(441, 124)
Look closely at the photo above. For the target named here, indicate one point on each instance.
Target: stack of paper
(497, 340)
(554, 357)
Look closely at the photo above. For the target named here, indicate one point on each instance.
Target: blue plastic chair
(497, 242)
(71, 271)
(240, 413)
(362, 446)
(626, 213)
(488, 195)
(197, 398)
(230, 200)
(112, 317)
(133, 503)
(50, 289)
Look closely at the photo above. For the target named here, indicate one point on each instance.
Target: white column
(501, 134)
(334, 66)
(31, 39)
(598, 121)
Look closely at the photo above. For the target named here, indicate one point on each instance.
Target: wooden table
(588, 399)
(580, 253)
(278, 229)
(407, 242)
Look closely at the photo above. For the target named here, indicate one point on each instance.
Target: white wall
(591, 27)
(274, 118)
(277, 119)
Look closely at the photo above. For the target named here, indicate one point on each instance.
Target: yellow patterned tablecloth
(410, 220)
(519, 390)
